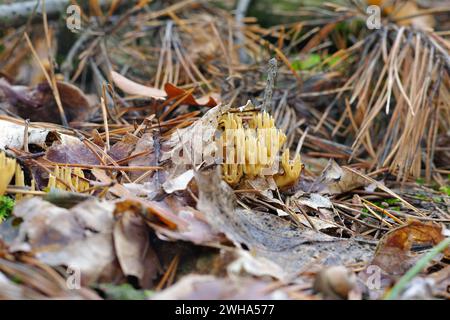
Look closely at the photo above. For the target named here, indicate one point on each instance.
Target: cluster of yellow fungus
(251, 143)
(68, 179)
(9, 168)
(19, 179)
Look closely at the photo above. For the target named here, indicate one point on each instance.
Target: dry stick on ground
(170, 273)
(53, 83)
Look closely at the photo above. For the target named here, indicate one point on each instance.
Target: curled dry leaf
(406, 13)
(131, 87)
(132, 245)
(38, 103)
(152, 211)
(393, 254)
(315, 201)
(255, 266)
(170, 91)
(178, 183)
(71, 152)
(36, 282)
(173, 92)
(193, 228)
(180, 223)
(335, 180)
(185, 145)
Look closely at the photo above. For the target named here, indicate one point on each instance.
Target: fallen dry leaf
(133, 249)
(270, 236)
(131, 87)
(79, 238)
(178, 183)
(174, 92)
(38, 103)
(335, 180)
(393, 254)
(71, 152)
(170, 91)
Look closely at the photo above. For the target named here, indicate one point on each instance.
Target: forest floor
(225, 150)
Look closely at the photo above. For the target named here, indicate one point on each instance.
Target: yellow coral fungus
(69, 179)
(291, 169)
(251, 142)
(19, 180)
(7, 170)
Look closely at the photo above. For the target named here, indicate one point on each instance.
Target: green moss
(445, 190)
(420, 181)
(314, 61)
(6, 207)
(124, 292)
(16, 279)
(392, 201)
(311, 61)
(421, 197)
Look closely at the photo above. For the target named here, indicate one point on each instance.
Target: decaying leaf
(133, 249)
(29, 279)
(86, 238)
(131, 87)
(174, 92)
(154, 188)
(335, 180)
(405, 13)
(79, 238)
(315, 201)
(170, 91)
(38, 103)
(178, 183)
(393, 254)
(176, 223)
(270, 236)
